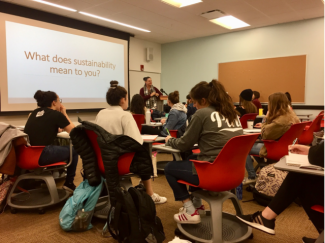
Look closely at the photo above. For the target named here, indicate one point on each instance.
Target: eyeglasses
(60, 100)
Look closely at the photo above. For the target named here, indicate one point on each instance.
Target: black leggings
(309, 189)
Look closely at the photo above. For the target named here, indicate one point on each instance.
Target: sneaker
(184, 218)
(158, 199)
(69, 186)
(308, 240)
(248, 180)
(257, 221)
(201, 210)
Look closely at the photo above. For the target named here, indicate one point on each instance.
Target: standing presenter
(150, 93)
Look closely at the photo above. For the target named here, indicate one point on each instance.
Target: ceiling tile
(305, 4)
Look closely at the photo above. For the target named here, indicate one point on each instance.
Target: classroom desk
(261, 116)
(168, 149)
(281, 165)
(303, 117)
(254, 130)
(153, 124)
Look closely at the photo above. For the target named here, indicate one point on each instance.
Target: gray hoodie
(210, 130)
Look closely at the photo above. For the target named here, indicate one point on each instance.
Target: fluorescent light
(56, 5)
(181, 3)
(229, 22)
(112, 21)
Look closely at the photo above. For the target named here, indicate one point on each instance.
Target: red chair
(139, 119)
(27, 159)
(224, 174)
(307, 135)
(277, 149)
(123, 164)
(244, 118)
(322, 124)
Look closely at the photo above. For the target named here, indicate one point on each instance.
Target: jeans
(52, 154)
(249, 162)
(181, 170)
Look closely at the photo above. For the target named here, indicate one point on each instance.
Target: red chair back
(228, 169)
(124, 160)
(28, 157)
(244, 118)
(277, 149)
(322, 124)
(173, 133)
(307, 135)
(139, 119)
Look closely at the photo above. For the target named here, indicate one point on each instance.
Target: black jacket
(112, 147)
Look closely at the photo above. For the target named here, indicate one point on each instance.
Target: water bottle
(148, 116)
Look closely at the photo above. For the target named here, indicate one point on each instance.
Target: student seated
(42, 127)
(256, 102)
(278, 120)
(308, 188)
(117, 121)
(176, 117)
(212, 125)
(137, 106)
(246, 105)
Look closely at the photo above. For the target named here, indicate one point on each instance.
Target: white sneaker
(248, 180)
(158, 199)
(184, 218)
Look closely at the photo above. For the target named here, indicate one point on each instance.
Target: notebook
(301, 161)
(149, 137)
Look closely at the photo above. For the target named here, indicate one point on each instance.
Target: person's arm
(158, 92)
(69, 127)
(190, 137)
(273, 130)
(316, 155)
(145, 97)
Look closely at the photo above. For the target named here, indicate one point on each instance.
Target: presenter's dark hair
(45, 98)
(216, 95)
(137, 104)
(289, 97)
(115, 93)
(174, 97)
(145, 78)
(256, 94)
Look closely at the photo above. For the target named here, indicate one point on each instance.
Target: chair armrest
(268, 141)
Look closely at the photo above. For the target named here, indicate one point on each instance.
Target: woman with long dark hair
(211, 126)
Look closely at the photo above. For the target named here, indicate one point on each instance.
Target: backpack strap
(117, 213)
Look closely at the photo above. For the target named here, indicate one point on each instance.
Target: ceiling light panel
(181, 3)
(229, 22)
(56, 5)
(113, 21)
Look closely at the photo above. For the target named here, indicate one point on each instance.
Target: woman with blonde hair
(278, 121)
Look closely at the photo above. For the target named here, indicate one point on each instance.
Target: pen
(294, 141)
(167, 131)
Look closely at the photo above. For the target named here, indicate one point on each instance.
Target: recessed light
(56, 5)
(229, 22)
(113, 21)
(181, 3)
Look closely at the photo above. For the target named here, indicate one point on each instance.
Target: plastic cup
(260, 112)
(250, 124)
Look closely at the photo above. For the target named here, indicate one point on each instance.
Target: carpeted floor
(29, 226)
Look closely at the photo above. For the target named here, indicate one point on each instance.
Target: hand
(152, 94)
(166, 139)
(163, 121)
(63, 110)
(157, 94)
(258, 125)
(299, 149)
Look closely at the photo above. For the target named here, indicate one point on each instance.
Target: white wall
(136, 58)
(185, 63)
(151, 68)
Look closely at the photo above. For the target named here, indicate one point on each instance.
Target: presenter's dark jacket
(146, 97)
(42, 126)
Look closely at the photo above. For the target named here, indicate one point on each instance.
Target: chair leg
(216, 218)
(49, 180)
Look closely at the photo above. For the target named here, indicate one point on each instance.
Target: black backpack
(133, 219)
(261, 198)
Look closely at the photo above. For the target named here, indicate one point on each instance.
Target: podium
(160, 102)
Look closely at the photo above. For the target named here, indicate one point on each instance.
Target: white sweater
(117, 121)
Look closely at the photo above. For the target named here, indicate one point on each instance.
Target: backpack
(78, 210)
(133, 218)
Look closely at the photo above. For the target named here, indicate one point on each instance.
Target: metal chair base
(217, 226)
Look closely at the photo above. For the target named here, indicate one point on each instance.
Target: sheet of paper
(149, 137)
(297, 159)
